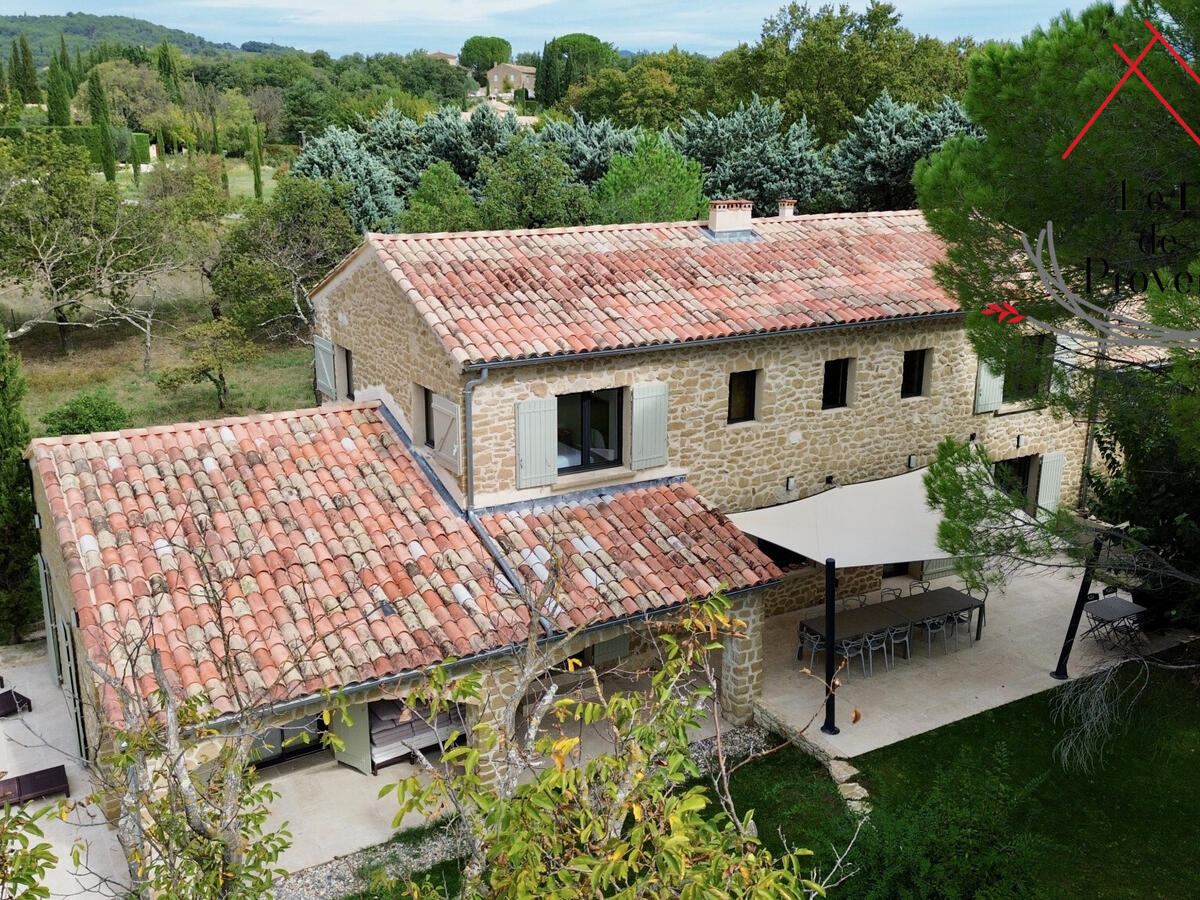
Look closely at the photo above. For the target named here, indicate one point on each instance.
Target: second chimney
(787, 208)
(725, 216)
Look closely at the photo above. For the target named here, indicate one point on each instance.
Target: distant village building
(504, 78)
(448, 57)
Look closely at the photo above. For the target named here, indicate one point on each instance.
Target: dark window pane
(589, 430)
(837, 372)
(912, 384)
(741, 396)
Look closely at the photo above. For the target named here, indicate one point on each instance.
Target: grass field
(241, 180)
(111, 358)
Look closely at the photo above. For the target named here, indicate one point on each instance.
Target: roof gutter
(469, 454)
(701, 342)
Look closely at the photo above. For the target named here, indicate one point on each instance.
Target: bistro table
(851, 624)
(1108, 614)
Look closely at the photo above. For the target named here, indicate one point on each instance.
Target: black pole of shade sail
(1077, 613)
(830, 726)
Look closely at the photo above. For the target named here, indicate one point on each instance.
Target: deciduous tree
(441, 202)
(212, 348)
(531, 187)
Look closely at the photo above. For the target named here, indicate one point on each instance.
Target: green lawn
(241, 180)
(1128, 830)
(280, 379)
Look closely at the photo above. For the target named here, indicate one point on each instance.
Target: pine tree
(28, 73)
(58, 96)
(18, 540)
(14, 75)
(98, 108)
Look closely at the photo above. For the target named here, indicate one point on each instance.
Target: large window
(1027, 372)
(837, 383)
(742, 386)
(1014, 476)
(589, 430)
(912, 382)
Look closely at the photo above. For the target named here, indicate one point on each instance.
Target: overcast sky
(369, 26)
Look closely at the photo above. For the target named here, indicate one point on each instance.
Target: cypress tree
(18, 540)
(64, 60)
(168, 70)
(98, 108)
(77, 73)
(29, 80)
(7, 110)
(58, 97)
(14, 75)
(254, 149)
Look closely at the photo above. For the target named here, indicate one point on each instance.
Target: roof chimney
(727, 216)
(787, 207)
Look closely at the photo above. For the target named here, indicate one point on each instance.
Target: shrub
(85, 413)
(73, 135)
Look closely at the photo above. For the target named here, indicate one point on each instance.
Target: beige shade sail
(866, 524)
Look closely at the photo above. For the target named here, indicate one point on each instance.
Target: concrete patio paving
(1026, 623)
(46, 737)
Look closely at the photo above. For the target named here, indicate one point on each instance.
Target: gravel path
(340, 877)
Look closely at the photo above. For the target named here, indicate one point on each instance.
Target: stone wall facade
(805, 587)
(746, 465)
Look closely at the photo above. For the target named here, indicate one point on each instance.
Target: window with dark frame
(428, 417)
(1027, 372)
(589, 430)
(837, 377)
(912, 382)
(742, 387)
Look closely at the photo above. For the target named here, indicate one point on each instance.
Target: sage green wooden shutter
(326, 380)
(989, 389)
(1066, 360)
(649, 426)
(355, 736)
(537, 442)
(1050, 481)
(444, 430)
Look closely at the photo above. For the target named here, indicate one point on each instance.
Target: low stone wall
(805, 587)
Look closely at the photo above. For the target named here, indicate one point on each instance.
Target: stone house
(599, 396)
(504, 78)
(761, 359)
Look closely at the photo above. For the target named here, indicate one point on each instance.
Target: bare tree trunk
(146, 353)
(66, 340)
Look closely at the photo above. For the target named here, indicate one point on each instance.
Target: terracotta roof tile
(500, 295)
(630, 551)
(298, 613)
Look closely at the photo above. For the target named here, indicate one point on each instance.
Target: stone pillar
(498, 683)
(741, 664)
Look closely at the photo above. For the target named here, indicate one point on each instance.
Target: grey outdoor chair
(813, 643)
(931, 626)
(959, 620)
(847, 650)
(850, 601)
(900, 634)
(918, 587)
(877, 640)
(886, 594)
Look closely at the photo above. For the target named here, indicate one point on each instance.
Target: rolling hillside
(84, 30)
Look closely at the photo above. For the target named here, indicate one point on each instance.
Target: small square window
(837, 381)
(742, 387)
(912, 383)
(589, 430)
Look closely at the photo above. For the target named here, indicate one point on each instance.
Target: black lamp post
(1077, 613)
(830, 726)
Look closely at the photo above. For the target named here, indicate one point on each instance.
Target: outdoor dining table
(1112, 609)
(852, 624)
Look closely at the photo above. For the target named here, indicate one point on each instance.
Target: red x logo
(1133, 69)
